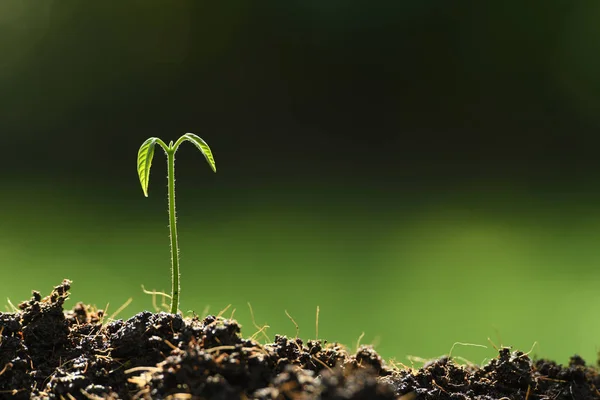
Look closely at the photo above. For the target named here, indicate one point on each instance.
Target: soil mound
(49, 353)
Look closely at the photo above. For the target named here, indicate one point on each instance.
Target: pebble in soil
(49, 353)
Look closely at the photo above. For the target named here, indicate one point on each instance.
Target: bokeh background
(426, 172)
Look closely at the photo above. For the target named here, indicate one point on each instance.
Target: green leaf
(203, 147)
(144, 162)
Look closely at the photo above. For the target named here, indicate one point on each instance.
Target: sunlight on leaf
(203, 147)
(144, 162)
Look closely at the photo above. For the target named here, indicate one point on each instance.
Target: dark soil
(46, 352)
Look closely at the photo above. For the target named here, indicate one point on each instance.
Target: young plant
(144, 162)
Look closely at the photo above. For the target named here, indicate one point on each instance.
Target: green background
(424, 172)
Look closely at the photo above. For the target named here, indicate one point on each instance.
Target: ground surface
(46, 352)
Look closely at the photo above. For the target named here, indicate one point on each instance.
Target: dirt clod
(49, 353)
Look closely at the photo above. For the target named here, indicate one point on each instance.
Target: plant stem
(173, 228)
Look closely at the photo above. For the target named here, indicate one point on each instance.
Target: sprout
(144, 162)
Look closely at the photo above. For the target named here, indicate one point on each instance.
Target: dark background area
(399, 92)
(394, 162)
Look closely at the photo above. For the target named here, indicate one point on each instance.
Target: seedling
(144, 162)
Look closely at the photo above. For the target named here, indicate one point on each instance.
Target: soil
(49, 353)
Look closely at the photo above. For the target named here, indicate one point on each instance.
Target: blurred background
(426, 172)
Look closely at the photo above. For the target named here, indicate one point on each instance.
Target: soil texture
(49, 353)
